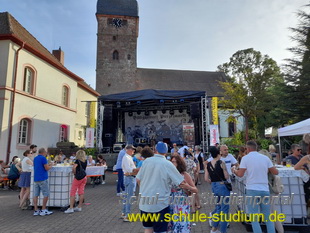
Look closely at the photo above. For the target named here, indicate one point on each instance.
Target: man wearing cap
(155, 179)
(128, 167)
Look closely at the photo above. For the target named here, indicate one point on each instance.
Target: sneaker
(103, 182)
(77, 209)
(118, 194)
(69, 211)
(122, 216)
(36, 213)
(92, 182)
(45, 212)
(228, 225)
(126, 219)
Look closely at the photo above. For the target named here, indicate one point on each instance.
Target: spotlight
(138, 102)
(139, 112)
(161, 101)
(127, 103)
(181, 100)
(118, 104)
(130, 114)
(180, 110)
(154, 111)
(163, 111)
(174, 101)
(171, 112)
(147, 113)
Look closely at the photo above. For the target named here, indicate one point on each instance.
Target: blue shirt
(139, 164)
(40, 173)
(120, 159)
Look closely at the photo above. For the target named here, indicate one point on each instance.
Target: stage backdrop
(157, 126)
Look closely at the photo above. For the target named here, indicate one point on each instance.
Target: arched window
(65, 96)
(115, 55)
(63, 134)
(28, 85)
(24, 131)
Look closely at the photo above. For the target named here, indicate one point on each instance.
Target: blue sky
(173, 34)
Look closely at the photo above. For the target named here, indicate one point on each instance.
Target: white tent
(299, 128)
(295, 129)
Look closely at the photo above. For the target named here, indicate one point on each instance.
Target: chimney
(60, 55)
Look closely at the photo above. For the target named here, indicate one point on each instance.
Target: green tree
(249, 89)
(297, 71)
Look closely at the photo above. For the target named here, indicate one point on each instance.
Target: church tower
(118, 27)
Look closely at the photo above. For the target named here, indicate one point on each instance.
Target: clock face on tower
(117, 22)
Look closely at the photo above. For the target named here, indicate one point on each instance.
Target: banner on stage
(158, 127)
(215, 117)
(90, 132)
(214, 135)
(189, 134)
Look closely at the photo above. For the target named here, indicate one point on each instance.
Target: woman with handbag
(216, 174)
(79, 181)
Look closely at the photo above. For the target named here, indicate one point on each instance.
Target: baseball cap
(161, 148)
(130, 147)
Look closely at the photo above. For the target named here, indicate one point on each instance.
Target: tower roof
(118, 7)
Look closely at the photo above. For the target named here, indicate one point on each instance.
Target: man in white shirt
(229, 159)
(257, 167)
(128, 167)
(155, 179)
(181, 150)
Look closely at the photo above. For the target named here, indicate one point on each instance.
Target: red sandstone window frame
(29, 77)
(24, 131)
(65, 95)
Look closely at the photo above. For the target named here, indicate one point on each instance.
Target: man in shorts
(40, 168)
(155, 178)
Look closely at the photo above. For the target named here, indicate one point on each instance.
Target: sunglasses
(299, 149)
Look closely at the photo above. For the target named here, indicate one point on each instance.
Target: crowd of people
(165, 176)
(158, 176)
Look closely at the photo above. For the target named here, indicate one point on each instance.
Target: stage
(147, 116)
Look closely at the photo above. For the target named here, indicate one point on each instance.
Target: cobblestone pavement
(100, 213)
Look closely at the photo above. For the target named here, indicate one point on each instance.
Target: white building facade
(40, 100)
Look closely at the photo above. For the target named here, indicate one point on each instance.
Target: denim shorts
(41, 186)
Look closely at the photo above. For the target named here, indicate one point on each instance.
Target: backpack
(275, 184)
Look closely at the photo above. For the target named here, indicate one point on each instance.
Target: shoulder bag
(80, 173)
(227, 184)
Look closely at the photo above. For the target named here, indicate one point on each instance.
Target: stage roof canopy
(150, 94)
(152, 99)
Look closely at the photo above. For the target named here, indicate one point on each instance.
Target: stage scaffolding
(204, 123)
